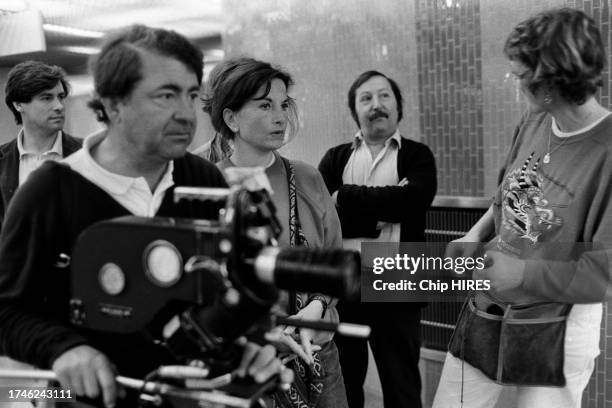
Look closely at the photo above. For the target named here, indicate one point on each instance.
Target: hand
(334, 197)
(283, 337)
(312, 311)
(466, 247)
(285, 343)
(505, 272)
(86, 371)
(261, 363)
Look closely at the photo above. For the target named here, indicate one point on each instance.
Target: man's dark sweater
(43, 220)
(360, 208)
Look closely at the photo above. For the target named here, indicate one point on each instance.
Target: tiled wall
(450, 91)
(446, 56)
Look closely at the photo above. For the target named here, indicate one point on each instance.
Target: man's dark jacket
(361, 207)
(45, 218)
(9, 167)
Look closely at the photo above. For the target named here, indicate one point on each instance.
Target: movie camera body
(197, 285)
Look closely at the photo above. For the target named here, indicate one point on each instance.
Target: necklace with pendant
(546, 158)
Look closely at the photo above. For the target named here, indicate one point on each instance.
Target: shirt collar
(112, 182)
(395, 138)
(56, 148)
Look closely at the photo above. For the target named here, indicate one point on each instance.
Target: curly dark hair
(116, 69)
(29, 78)
(563, 49)
(234, 81)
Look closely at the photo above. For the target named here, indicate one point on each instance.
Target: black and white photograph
(305, 204)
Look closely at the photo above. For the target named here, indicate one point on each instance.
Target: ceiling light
(72, 31)
(80, 50)
(21, 33)
(214, 54)
(13, 5)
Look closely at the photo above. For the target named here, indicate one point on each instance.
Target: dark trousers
(395, 343)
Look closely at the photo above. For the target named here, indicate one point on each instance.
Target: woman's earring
(547, 99)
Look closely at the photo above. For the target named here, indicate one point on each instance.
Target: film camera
(196, 286)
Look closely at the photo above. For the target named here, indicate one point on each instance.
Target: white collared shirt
(30, 161)
(131, 192)
(365, 170)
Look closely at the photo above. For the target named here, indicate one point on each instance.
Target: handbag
(307, 385)
(512, 344)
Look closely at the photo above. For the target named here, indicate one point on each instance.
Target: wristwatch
(323, 301)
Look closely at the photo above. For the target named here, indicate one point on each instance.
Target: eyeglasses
(517, 77)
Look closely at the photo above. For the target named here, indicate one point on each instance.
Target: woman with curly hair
(537, 329)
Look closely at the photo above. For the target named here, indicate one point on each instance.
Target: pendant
(546, 158)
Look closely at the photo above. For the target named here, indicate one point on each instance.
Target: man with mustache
(382, 184)
(146, 91)
(35, 93)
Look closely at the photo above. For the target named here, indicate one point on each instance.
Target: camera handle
(343, 329)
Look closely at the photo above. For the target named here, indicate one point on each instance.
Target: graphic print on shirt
(525, 210)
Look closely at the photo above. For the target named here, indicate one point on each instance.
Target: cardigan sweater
(316, 212)
(44, 219)
(360, 207)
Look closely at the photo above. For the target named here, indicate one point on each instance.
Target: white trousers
(581, 349)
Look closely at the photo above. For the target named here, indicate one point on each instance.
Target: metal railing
(449, 218)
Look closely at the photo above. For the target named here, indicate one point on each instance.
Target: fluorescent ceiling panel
(21, 33)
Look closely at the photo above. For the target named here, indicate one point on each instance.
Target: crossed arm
(361, 208)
